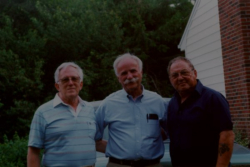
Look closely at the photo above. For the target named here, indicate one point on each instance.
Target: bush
(13, 153)
(239, 138)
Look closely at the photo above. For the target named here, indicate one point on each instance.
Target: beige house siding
(201, 42)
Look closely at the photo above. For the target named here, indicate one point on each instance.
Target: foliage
(20, 72)
(239, 138)
(13, 153)
(37, 36)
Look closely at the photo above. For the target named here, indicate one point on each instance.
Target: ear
(195, 73)
(57, 86)
(118, 79)
(81, 85)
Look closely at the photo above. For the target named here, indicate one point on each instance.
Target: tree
(37, 36)
(20, 71)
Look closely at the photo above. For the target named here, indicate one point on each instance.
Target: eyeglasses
(66, 80)
(183, 73)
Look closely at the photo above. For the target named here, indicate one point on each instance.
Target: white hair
(126, 55)
(64, 65)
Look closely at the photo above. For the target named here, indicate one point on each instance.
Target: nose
(130, 75)
(70, 81)
(180, 76)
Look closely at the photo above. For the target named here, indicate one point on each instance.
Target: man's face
(182, 76)
(129, 74)
(69, 84)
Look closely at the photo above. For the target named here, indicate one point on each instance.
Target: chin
(131, 87)
(72, 94)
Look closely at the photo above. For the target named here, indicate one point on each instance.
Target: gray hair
(126, 55)
(177, 59)
(64, 65)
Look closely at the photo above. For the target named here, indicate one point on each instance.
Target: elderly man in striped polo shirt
(64, 127)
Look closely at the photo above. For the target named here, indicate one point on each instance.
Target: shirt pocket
(92, 129)
(151, 128)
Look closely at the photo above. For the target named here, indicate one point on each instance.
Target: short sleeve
(221, 113)
(37, 131)
(100, 115)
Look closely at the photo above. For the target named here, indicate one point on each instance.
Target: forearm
(225, 148)
(33, 159)
(163, 134)
(101, 145)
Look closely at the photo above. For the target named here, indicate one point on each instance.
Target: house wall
(202, 44)
(234, 18)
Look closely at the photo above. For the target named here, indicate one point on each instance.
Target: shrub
(13, 153)
(239, 138)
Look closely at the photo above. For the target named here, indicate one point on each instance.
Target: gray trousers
(111, 164)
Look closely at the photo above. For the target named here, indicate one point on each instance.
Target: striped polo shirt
(66, 136)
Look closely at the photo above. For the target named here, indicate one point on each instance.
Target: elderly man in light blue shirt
(64, 127)
(134, 116)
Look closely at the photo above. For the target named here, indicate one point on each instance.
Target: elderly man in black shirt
(199, 121)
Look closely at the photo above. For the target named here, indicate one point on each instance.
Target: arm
(225, 149)
(164, 122)
(100, 126)
(101, 145)
(33, 159)
(163, 134)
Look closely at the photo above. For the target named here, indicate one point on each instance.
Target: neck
(184, 95)
(135, 93)
(73, 102)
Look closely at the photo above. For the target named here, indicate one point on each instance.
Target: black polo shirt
(194, 126)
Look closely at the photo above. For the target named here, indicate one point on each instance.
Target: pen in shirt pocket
(152, 116)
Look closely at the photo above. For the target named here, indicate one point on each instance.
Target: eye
(75, 79)
(65, 80)
(123, 73)
(174, 75)
(184, 73)
(133, 71)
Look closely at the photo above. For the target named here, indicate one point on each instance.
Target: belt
(136, 163)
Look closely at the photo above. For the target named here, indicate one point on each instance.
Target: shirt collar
(57, 100)
(199, 87)
(129, 97)
(197, 90)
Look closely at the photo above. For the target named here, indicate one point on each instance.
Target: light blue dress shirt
(133, 135)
